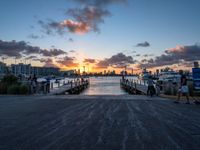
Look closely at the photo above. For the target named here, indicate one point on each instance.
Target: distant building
(79, 72)
(27, 69)
(157, 72)
(3, 68)
(123, 72)
(44, 71)
(68, 73)
(113, 72)
(21, 69)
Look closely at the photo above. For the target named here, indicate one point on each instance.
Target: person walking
(34, 83)
(48, 85)
(183, 89)
(157, 88)
(151, 88)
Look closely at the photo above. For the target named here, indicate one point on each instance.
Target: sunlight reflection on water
(104, 86)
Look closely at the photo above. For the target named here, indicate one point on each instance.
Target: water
(98, 85)
(104, 86)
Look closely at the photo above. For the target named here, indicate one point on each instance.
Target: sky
(102, 34)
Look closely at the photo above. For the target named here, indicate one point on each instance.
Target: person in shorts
(183, 89)
(150, 86)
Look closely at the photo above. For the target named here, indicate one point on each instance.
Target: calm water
(104, 86)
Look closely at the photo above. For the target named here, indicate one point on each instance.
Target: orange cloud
(67, 62)
(176, 49)
(76, 27)
(88, 60)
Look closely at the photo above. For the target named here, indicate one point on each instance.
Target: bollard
(135, 89)
(51, 85)
(58, 84)
(71, 84)
(46, 87)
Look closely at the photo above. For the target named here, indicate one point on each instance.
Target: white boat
(144, 75)
(167, 76)
(41, 80)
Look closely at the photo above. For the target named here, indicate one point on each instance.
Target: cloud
(21, 48)
(52, 52)
(32, 57)
(17, 49)
(144, 61)
(144, 44)
(33, 36)
(51, 27)
(71, 40)
(89, 61)
(88, 17)
(72, 51)
(138, 55)
(148, 55)
(75, 27)
(32, 27)
(48, 62)
(99, 2)
(178, 55)
(83, 19)
(67, 62)
(119, 60)
(133, 52)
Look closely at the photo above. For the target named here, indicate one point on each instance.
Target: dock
(134, 87)
(72, 87)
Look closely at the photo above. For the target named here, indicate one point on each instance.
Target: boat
(169, 76)
(144, 75)
(41, 80)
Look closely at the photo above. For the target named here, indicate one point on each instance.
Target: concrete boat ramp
(97, 123)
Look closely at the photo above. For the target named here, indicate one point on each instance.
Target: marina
(99, 75)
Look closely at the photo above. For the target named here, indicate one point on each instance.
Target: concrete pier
(97, 123)
(133, 87)
(72, 88)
